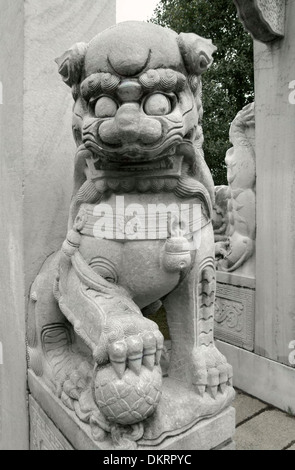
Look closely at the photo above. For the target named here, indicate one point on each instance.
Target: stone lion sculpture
(137, 125)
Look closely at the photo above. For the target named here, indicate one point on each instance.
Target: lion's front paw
(211, 371)
(128, 378)
(135, 351)
(130, 342)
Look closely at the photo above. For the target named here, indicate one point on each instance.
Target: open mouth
(134, 160)
(163, 164)
(173, 162)
(129, 153)
(168, 166)
(134, 154)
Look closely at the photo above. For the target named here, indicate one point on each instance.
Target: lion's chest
(124, 240)
(135, 265)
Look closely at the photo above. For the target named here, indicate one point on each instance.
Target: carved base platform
(54, 427)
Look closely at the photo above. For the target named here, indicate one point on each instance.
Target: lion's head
(138, 109)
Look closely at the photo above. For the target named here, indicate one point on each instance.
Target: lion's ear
(196, 52)
(70, 64)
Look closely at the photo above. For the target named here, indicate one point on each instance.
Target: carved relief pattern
(44, 435)
(235, 315)
(206, 289)
(229, 313)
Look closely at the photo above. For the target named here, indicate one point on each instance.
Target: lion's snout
(130, 125)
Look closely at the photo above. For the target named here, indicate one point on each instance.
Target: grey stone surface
(246, 406)
(275, 247)
(205, 435)
(13, 406)
(271, 430)
(267, 380)
(264, 19)
(229, 446)
(44, 435)
(292, 447)
(235, 315)
(235, 279)
(52, 26)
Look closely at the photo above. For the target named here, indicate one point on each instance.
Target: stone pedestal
(55, 427)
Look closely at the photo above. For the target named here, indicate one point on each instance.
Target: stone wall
(52, 27)
(36, 158)
(268, 371)
(12, 310)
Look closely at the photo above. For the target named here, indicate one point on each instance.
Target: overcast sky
(140, 10)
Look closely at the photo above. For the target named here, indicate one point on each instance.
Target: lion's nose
(127, 120)
(129, 126)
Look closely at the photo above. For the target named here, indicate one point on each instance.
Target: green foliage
(229, 84)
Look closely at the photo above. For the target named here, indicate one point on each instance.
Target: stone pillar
(13, 406)
(268, 372)
(52, 27)
(36, 156)
(275, 143)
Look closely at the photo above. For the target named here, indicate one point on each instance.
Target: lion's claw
(134, 353)
(143, 349)
(118, 355)
(212, 374)
(149, 350)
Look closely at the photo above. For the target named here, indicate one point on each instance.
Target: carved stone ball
(128, 400)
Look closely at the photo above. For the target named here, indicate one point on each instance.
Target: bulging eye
(157, 105)
(105, 107)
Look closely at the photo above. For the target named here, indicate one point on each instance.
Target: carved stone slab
(235, 314)
(264, 19)
(44, 434)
